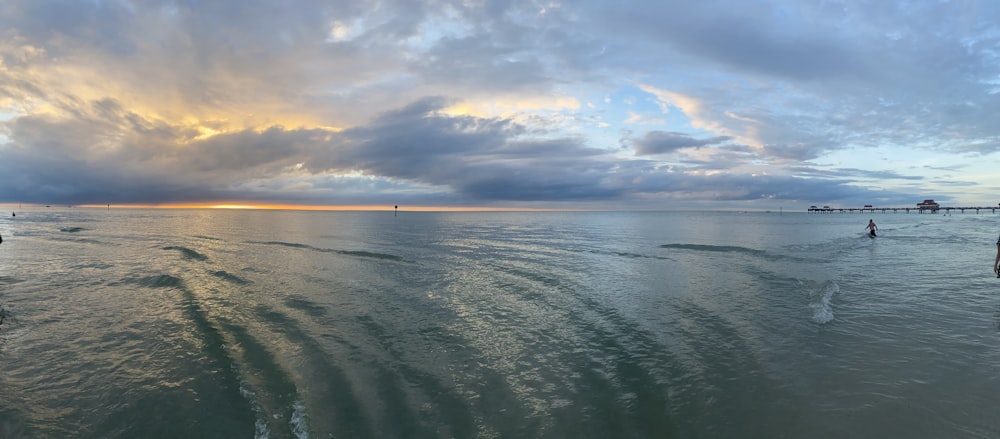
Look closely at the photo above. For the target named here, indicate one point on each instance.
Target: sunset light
(537, 219)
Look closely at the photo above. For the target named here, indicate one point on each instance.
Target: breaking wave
(820, 303)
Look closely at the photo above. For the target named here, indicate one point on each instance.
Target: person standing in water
(996, 269)
(871, 228)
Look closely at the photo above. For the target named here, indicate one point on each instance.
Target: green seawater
(291, 324)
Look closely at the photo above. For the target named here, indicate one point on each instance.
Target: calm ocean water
(283, 324)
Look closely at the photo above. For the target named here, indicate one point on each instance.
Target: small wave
(93, 266)
(285, 244)
(306, 306)
(160, 281)
(360, 253)
(89, 241)
(771, 256)
(7, 280)
(4, 315)
(14, 429)
(229, 277)
(822, 310)
(621, 254)
(71, 229)
(714, 248)
(366, 254)
(639, 256)
(188, 253)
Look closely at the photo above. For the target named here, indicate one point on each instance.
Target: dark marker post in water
(396, 211)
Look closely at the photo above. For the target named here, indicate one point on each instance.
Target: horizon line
(302, 207)
(357, 208)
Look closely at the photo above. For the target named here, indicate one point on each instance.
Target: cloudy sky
(714, 104)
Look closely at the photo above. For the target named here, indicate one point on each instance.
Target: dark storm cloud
(481, 158)
(661, 142)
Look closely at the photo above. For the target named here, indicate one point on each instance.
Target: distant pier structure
(926, 206)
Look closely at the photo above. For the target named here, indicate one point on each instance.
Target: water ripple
(359, 253)
(188, 253)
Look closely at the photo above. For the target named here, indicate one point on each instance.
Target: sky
(660, 104)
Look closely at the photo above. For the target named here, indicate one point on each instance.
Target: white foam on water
(298, 421)
(260, 425)
(260, 429)
(822, 310)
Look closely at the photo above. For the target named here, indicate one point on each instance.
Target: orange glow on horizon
(238, 206)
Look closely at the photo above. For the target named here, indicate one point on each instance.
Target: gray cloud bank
(320, 103)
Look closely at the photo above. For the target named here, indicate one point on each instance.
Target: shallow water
(213, 323)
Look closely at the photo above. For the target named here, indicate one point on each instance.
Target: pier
(961, 209)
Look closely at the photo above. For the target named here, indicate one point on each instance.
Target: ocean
(165, 323)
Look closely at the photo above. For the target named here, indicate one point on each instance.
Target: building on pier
(928, 205)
